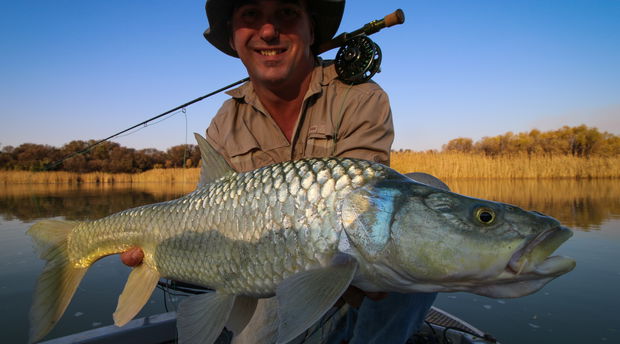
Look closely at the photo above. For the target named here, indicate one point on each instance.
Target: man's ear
(312, 23)
(232, 43)
(231, 34)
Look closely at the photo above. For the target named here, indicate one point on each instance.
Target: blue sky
(76, 69)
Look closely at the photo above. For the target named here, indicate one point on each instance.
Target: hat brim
(327, 15)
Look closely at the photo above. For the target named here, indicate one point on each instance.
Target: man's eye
(289, 13)
(249, 14)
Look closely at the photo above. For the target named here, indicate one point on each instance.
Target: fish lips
(534, 260)
(530, 267)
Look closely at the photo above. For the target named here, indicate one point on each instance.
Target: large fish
(302, 231)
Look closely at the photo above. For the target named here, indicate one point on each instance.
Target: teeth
(269, 52)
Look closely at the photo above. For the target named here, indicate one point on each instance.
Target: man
(295, 107)
(291, 108)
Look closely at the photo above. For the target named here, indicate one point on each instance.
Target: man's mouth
(271, 52)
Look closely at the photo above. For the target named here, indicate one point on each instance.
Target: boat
(440, 327)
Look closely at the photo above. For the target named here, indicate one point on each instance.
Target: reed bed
(170, 175)
(442, 165)
(586, 203)
(157, 189)
(462, 165)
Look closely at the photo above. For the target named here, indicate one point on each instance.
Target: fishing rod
(357, 60)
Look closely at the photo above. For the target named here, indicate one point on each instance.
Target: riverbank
(446, 166)
(477, 166)
(168, 175)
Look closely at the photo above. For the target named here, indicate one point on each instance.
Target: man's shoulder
(227, 113)
(331, 80)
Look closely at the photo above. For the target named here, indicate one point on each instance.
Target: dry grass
(157, 189)
(172, 175)
(460, 165)
(446, 166)
(585, 204)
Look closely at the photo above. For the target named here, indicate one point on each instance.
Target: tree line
(105, 157)
(580, 141)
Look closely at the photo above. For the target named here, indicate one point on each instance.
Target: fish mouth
(534, 257)
(530, 268)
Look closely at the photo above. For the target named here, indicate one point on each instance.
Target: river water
(580, 307)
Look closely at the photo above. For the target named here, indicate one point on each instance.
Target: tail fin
(59, 278)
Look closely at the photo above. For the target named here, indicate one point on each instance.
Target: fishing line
(357, 60)
(151, 124)
(184, 162)
(431, 327)
(88, 148)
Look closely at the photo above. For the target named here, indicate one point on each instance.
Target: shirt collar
(323, 74)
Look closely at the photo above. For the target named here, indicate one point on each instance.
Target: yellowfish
(302, 231)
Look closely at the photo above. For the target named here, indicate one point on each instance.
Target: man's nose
(269, 31)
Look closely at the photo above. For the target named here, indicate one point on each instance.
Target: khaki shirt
(336, 119)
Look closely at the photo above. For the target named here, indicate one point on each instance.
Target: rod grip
(395, 18)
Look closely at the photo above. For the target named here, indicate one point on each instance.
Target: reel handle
(394, 18)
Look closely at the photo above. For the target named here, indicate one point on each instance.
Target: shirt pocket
(320, 144)
(247, 155)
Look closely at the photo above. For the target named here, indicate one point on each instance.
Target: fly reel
(358, 60)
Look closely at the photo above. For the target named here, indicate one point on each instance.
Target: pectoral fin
(139, 287)
(241, 314)
(263, 327)
(303, 298)
(201, 318)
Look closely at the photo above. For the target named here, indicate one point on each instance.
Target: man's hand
(132, 257)
(354, 296)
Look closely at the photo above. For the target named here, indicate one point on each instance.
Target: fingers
(132, 257)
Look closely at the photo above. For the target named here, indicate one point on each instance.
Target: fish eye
(485, 215)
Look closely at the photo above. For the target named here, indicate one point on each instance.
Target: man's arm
(366, 130)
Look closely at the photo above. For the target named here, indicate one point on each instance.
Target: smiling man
(273, 40)
(295, 107)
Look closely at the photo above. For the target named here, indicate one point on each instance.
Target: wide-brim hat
(326, 14)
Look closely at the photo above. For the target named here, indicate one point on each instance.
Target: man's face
(273, 39)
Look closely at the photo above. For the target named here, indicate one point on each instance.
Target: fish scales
(249, 230)
(304, 230)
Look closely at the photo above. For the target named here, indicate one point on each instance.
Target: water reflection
(87, 201)
(581, 204)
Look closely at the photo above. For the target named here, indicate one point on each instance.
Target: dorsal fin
(213, 165)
